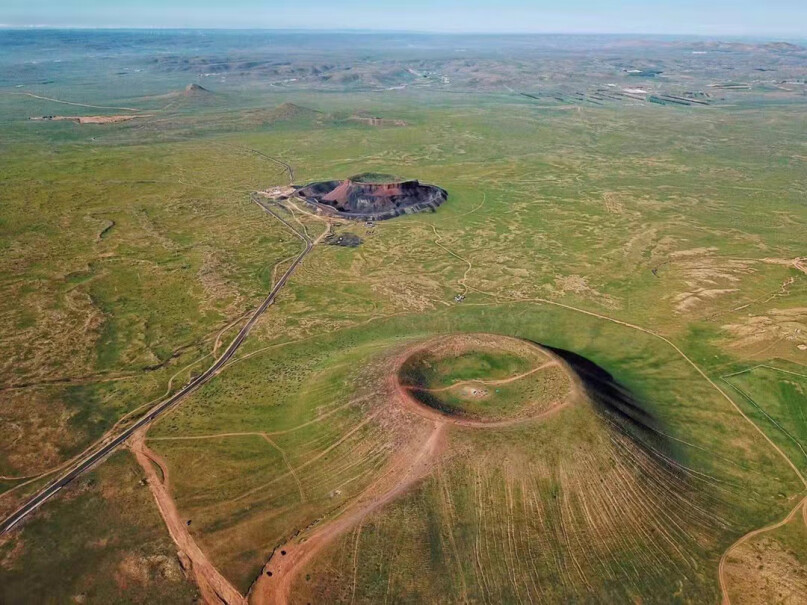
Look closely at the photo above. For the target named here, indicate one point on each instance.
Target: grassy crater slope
(427, 370)
(504, 510)
(482, 377)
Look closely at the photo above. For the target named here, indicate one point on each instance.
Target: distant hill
(288, 113)
(193, 90)
(192, 93)
(292, 112)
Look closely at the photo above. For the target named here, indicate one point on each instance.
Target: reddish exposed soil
(215, 588)
(407, 468)
(274, 585)
(89, 119)
(352, 198)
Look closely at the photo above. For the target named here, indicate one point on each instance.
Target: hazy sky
(709, 17)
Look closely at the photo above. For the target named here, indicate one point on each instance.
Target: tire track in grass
(696, 367)
(273, 586)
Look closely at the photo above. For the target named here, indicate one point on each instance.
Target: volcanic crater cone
(534, 452)
(484, 379)
(373, 196)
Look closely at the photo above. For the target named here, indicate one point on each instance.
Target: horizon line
(713, 36)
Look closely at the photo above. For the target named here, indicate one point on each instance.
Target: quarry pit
(372, 197)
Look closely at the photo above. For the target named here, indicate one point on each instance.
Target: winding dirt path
(43, 98)
(215, 588)
(288, 168)
(273, 586)
(491, 383)
(464, 278)
(721, 570)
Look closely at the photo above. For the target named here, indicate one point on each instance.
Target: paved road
(92, 458)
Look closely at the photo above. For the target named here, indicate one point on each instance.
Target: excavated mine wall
(372, 201)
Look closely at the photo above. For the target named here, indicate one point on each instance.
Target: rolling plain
(582, 378)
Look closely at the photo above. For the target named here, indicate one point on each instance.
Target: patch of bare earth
(799, 263)
(135, 571)
(215, 588)
(58, 339)
(613, 202)
(218, 288)
(407, 293)
(34, 430)
(579, 286)
(764, 571)
(9, 558)
(686, 301)
(773, 325)
(706, 276)
(89, 119)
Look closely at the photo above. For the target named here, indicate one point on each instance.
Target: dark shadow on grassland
(620, 407)
(671, 472)
(614, 402)
(416, 374)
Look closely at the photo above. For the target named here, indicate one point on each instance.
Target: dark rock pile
(355, 199)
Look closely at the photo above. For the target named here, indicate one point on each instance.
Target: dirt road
(109, 444)
(721, 570)
(273, 586)
(215, 588)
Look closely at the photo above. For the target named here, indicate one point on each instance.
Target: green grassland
(102, 542)
(530, 394)
(118, 278)
(775, 397)
(125, 249)
(722, 452)
(446, 370)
